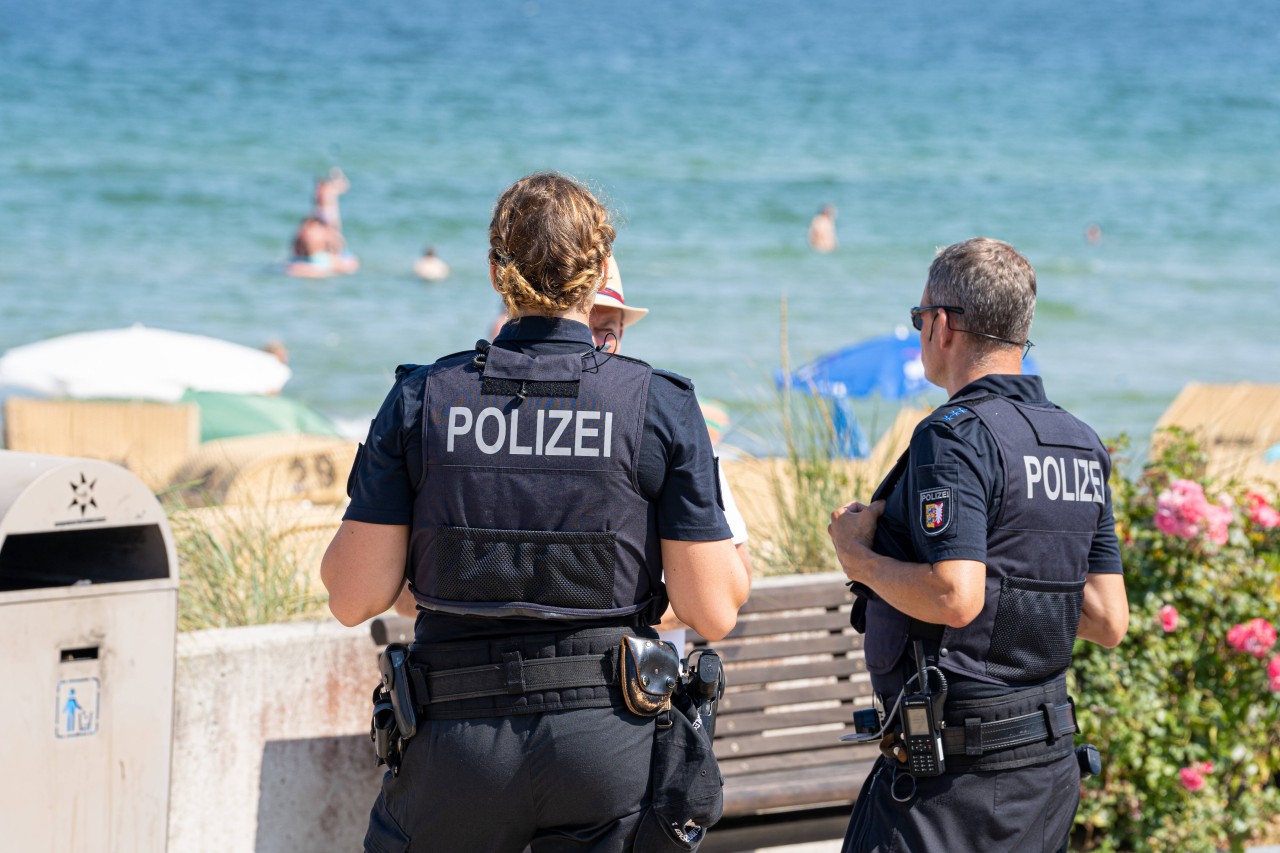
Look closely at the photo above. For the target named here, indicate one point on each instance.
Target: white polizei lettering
(1051, 466)
(1082, 480)
(580, 432)
(496, 414)
(516, 448)
(565, 417)
(459, 424)
(608, 433)
(1033, 474)
(1095, 475)
(537, 441)
(1068, 493)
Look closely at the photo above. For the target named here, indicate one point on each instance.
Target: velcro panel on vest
(570, 570)
(1035, 629)
(1057, 428)
(502, 363)
(524, 388)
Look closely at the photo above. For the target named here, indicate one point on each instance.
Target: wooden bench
(795, 674)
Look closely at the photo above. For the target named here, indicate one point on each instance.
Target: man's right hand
(852, 529)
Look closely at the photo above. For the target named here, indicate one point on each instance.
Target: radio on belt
(921, 734)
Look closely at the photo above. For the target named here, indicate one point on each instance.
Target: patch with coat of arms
(935, 511)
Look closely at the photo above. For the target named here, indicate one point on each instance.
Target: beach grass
(812, 480)
(239, 566)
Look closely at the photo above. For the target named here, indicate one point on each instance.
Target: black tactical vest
(529, 504)
(1055, 475)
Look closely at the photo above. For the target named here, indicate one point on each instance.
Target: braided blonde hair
(549, 244)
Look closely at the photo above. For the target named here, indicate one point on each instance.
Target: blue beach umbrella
(888, 365)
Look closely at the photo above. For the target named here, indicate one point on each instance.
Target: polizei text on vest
(552, 432)
(1060, 480)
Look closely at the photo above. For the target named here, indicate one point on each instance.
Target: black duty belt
(976, 738)
(514, 676)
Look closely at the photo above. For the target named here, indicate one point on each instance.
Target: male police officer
(985, 553)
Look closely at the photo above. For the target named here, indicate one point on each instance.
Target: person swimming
(822, 230)
(429, 267)
(319, 252)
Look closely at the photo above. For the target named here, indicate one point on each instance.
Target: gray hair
(992, 282)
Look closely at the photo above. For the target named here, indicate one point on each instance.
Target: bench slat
(747, 746)
(791, 789)
(785, 623)
(740, 724)
(793, 597)
(754, 700)
(790, 647)
(817, 761)
(742, 770)
(745, 675)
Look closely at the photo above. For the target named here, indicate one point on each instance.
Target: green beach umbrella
(225, 415)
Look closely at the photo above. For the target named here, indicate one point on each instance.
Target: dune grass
(239, 566)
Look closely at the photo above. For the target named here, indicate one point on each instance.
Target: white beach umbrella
(141, 364)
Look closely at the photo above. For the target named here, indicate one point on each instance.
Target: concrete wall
(271, 747)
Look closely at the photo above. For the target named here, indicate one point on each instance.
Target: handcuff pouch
(650, 671)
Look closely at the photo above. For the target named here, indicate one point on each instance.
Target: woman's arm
(707, 583)
(363, 569)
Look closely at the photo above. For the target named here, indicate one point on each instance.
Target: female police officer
(533, 493)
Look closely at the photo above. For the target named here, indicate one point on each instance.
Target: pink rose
(1255, 637)
(1273, 674)
(1169, 618)
(1192, 778)
(1182, 510)
(1218, 520)
(1262, 513)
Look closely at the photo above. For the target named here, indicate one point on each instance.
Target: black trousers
(556, 781)
(1019, 811)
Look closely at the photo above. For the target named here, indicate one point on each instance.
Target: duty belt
(514, 676)
(976, 738)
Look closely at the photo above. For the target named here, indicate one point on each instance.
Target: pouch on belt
(650, 670)
(686, 789)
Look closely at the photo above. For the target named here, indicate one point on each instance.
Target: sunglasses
(917, 322)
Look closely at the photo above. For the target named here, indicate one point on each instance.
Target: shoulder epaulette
(634, 361)
(404, 370)
(953, 414)
(467, 352)
(674, 378)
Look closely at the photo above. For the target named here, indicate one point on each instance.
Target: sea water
(156, 156)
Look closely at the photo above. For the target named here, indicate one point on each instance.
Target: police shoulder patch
(935, 510)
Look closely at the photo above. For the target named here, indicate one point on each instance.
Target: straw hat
(610, 296)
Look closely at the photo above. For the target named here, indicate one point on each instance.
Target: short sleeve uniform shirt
(677, 472)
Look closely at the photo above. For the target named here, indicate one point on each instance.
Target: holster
(394, 714)
(650, 671)
(383, 732)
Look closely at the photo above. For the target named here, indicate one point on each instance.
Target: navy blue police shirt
(965, 459)
(676, 467)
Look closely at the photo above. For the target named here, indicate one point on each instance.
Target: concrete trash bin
(88, 620)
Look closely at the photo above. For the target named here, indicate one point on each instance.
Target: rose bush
(1186, 710)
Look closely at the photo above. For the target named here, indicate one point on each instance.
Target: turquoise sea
(155, 158)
